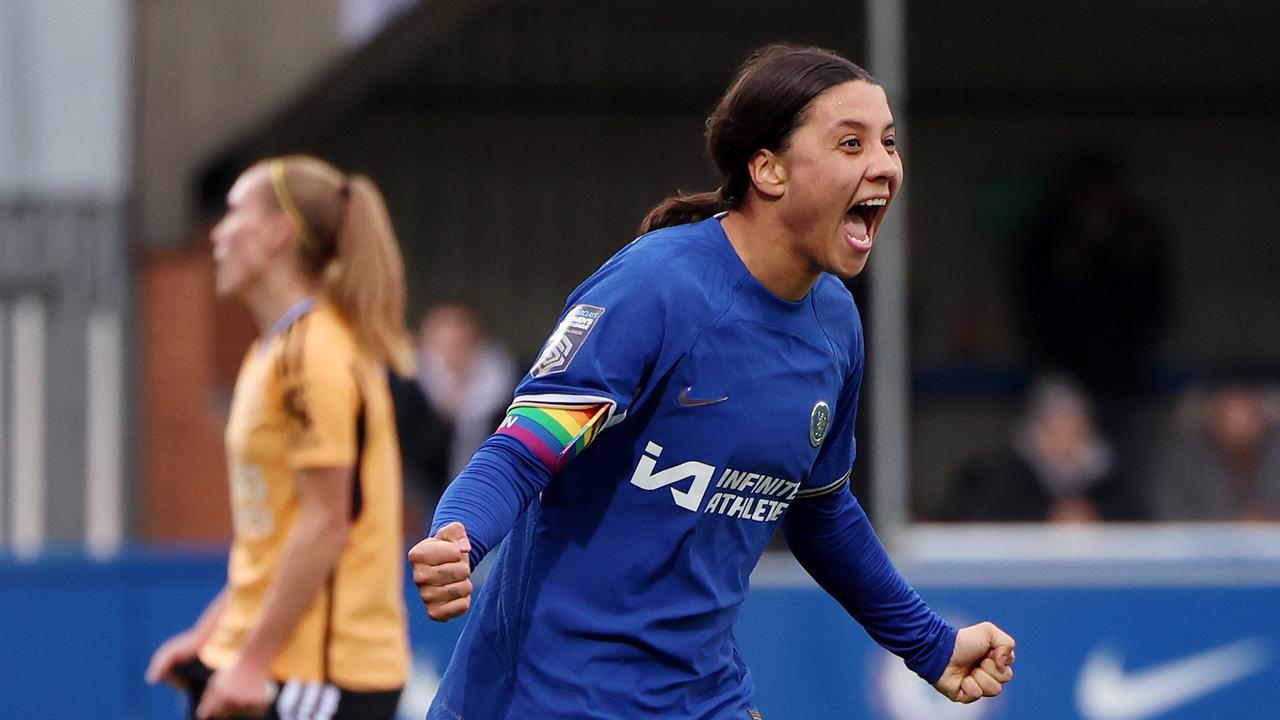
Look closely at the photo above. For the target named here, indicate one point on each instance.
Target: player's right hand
(442, 572)
(175, 651)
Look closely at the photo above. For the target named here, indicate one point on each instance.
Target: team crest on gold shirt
(819, 423)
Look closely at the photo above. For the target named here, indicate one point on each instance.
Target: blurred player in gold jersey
(311, 622)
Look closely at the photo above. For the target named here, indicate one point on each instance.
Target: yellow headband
(286, 202)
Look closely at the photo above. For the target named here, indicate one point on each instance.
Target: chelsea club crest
(819, 423)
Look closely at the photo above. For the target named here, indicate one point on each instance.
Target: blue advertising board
(1097, 653)
(1130, 646)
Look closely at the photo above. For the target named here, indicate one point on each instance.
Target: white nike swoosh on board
(1105, 692)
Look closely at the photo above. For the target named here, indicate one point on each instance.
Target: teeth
(874, 202)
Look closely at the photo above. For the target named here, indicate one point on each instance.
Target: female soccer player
(313, 603)
(700, 389)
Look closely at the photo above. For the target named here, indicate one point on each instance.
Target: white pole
(27, 427)
(888, 353)
(103, 434)
(6, 415)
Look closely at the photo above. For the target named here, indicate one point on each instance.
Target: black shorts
(297, 700)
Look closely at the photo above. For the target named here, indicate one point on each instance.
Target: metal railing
(64, 283)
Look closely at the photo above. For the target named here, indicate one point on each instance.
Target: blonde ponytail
(366, 278)
(347, 242)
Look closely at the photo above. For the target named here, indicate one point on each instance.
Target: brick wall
(190, 348)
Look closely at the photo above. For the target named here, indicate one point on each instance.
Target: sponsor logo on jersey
(738, 493)
(646, 479)
(686, 399)
(567, 340)
(819, 423)
(251, 511)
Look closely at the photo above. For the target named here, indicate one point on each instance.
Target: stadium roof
(531, 57)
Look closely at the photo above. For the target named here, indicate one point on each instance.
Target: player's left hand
(981, 664)
(238, 690)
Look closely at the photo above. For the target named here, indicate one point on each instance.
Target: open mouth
(861, 220)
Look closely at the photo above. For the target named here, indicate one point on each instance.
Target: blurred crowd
(456, 398)
(1092, 294)
(1219, 460)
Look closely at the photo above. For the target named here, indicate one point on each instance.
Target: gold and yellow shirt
(308, 397)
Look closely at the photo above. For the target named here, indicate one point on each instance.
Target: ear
(280, 232)
(768, 173)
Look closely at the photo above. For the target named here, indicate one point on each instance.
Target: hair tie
(285, 199)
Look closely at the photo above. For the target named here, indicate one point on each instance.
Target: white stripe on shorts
(287, 703)
(329, 697)
(310, 700)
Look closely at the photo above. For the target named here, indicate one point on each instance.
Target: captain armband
(555, 434)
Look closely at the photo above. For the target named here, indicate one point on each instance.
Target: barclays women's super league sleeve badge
(819, 423)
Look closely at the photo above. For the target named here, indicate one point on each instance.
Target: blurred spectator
(1224, 463)
(1057, 468)
(1093, 291)
(468, 380)
(424, 436)
(1093, 282)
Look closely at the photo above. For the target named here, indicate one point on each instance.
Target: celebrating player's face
(240, 238)
(843, 170)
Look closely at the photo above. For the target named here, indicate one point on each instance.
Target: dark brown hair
(761, 109)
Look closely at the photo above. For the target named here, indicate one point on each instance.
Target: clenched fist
(981, 664)
(442, 572)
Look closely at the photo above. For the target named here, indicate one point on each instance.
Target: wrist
(255, 658)
(935, 661)
(190, 641)
(200, 633)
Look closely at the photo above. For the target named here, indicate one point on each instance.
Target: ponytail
(366, 278)
(347, 242)
(682, 208)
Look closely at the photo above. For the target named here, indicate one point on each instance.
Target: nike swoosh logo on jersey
(687, 401)
(1106, 692)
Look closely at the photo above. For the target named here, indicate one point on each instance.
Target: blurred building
(519, 143)
(203, 74)
(1000, 94)
(65, 281)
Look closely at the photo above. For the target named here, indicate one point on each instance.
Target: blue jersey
(615, 594)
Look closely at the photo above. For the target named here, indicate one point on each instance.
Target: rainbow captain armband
(555, 434)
